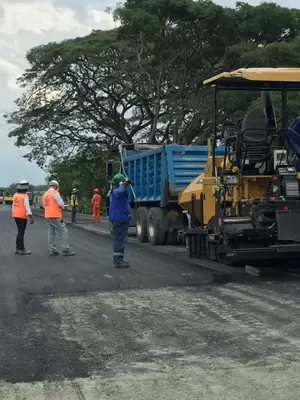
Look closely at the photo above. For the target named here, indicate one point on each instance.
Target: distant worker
(21, 211)
(119, 217)
(53, 205)
(96, 204)
(74, 203)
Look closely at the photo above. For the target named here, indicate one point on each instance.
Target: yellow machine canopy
(250, 78)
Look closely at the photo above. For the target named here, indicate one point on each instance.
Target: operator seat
(253, 141)
(231, 132)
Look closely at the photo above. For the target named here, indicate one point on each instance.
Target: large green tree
(177, 44)
(142, 81)
(73, 98)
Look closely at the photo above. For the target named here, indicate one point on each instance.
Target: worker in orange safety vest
(96, 203)
(21, 211)
(53, 205)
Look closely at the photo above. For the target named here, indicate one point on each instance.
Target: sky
(28, 23)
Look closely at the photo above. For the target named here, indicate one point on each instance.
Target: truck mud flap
(288, 225)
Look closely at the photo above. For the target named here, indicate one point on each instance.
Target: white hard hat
(53, 183)
(23, 184)
(74, 190)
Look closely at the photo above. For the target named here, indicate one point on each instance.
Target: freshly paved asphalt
(75, 328)
(24, 278)
(91, 269)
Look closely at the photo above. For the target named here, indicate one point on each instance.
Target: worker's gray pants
(120, 233)
(57, 225)
(74, 212)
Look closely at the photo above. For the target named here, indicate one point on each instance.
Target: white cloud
(28, 23)
(38, 16)
(23, 25)
(11, 71)
(101, 19)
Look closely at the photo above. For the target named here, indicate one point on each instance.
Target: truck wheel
(156, 226)
(141, 224)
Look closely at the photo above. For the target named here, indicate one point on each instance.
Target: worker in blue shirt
(119, 217)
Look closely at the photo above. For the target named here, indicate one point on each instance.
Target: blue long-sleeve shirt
(119, 208)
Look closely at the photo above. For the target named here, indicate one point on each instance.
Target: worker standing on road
(96, 204)
(74, 203)
(119, 217)
(53, 204)
(21, 211)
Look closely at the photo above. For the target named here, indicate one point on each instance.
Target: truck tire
(156, 226)
(141, 224)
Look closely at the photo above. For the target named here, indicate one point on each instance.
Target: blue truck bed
(157, 175)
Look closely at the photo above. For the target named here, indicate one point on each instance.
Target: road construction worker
(119, 217)
(21, 211)
(96, 204)
(74, 203)
(53, 205)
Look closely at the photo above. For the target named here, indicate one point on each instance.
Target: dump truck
(245, 206)
(158, 173)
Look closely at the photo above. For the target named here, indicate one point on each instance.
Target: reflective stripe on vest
(74, 197)
(52, 210)
(18, 208)
(96, 200)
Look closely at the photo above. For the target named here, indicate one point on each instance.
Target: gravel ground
(165, 329)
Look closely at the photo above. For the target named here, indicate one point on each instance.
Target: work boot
(122, 264)
(55, 253)
(68, 253)
(24, 252)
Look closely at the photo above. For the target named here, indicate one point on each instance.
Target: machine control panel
(229, 178)
(287, 170)
(286, 182)
(292, 188)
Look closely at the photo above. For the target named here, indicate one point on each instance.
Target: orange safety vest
(18, 208)
(96, 200)
(52, 209)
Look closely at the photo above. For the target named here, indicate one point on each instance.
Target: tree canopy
(141, 82)
(84, 171)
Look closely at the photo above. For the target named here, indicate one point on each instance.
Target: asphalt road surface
(75, 328)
